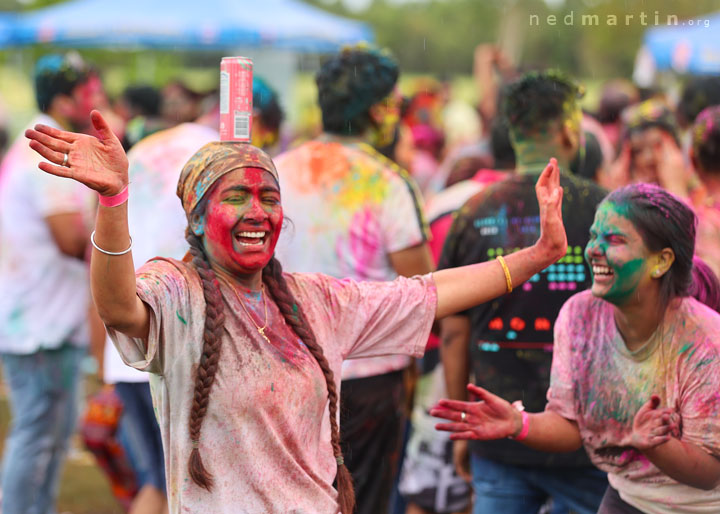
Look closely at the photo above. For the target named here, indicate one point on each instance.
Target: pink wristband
(525, 427)
(115, 200)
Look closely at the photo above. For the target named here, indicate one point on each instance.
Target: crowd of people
(380, 318)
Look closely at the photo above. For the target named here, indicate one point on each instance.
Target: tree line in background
(439, 36)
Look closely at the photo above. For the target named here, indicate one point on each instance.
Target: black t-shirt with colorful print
(511, 337)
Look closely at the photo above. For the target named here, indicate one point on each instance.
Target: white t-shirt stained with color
(266, 436)
(597, 382)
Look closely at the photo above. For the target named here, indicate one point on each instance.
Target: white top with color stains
(266, 435)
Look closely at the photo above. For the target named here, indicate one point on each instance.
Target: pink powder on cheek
(219, 221)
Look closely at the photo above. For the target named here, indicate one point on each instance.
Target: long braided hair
(212, 343)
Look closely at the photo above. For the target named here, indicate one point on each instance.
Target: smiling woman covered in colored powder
(635, 374)
(246, 359)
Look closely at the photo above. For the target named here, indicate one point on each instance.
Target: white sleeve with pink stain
(176, 316)
(369, 319)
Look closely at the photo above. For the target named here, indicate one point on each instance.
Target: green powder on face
(625, 276)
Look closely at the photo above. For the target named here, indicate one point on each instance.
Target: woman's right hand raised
(98, 162)
(487, 419)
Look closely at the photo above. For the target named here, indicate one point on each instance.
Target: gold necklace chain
(261, 330)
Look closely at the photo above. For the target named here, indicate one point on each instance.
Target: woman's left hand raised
(553, 240)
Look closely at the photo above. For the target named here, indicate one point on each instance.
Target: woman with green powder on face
(246, 358)
(636, 369)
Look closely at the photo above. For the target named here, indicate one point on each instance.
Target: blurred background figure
(267, 117)
(140, 107)
(705, 156)
(422, 116)
(45, 226)
(180, 104)
(650, 150)
(616, 96)
(492, 70)
(698, 93)
(356, 214)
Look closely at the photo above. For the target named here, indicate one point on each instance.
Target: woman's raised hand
(490, 418)
(98, 162)
(553, 239)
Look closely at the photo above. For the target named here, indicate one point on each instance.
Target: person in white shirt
(44, 231)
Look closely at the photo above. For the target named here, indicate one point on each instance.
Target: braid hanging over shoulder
(294, 317)
(207, 368)
(205, 374)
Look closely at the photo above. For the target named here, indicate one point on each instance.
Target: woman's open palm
(490, 418)
(98, 162)
(549, 196)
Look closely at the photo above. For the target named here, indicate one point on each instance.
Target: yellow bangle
(508, 278)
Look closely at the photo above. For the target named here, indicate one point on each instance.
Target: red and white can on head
(236, 105)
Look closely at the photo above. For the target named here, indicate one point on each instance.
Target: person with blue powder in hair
(267, 116)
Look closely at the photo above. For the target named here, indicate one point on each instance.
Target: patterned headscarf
(212, 162)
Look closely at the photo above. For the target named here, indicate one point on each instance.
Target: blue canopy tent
(692, 46)
(188, 25)
(7, 27)
(271, 32)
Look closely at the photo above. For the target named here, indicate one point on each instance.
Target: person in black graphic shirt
(507, 343)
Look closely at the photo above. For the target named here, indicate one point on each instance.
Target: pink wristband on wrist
(115, 200)
(525, 427)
